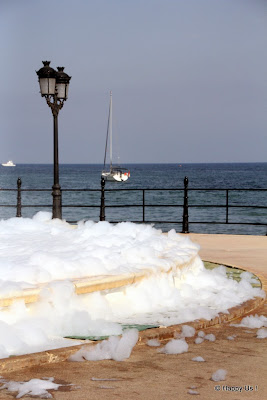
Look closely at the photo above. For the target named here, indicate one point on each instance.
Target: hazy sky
(189, 79)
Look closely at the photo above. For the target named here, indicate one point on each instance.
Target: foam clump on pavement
(153, 343)
(252, 322)
(219, 375)
(199, 340)
(175, 346)
(191, 391)
(188, 331)
(114, 348)
(34, 387)
(210, 337)
(262, 333)
(198, 358)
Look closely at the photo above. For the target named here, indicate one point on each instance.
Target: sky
(188, 79)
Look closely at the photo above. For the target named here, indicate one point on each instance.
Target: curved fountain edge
(233, 313)
(15, 363)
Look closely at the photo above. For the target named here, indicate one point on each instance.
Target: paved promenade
(150, 375)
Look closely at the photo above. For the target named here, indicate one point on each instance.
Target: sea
(159, 185)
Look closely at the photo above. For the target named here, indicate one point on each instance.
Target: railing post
(185, 209)
(102, 205)
(227, 203)
(143, 205)
(18, 198)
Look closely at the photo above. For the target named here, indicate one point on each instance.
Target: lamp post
(54, 87)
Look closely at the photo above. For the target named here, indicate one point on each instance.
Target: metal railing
(144, 205)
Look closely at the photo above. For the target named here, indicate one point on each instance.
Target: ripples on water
(148, 176)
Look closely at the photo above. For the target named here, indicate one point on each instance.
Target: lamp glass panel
(61, 90)
(67, 90)
(47, 86)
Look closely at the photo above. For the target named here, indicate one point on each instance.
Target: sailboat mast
(110, 130)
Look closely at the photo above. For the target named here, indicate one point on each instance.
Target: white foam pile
(231, 337)
(188, 331)
(252, 322)
(262, 333)
(201, 336)
(194, 392)
(41, 250)
(153, 343)
(34, 387)
(175, 346)
(255, 322)
(115, 348)
(219, 375)
(198, 359)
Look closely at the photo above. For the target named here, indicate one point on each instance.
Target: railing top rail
(9, 190)
(232, 189)
(136, 189)
(81, 190)
(182, 188)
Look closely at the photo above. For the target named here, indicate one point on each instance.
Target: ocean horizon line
(150, 163)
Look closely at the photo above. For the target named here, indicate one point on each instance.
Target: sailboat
(115, 173)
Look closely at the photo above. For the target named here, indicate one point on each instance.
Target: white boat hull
(116, 176)
(9, 164)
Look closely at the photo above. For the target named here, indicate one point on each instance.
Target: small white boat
(9, 164)
(115, 174)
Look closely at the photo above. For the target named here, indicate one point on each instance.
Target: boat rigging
(115, 173)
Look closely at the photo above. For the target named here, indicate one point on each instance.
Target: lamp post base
(56, 193)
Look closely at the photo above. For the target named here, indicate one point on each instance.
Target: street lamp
(54, 87)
